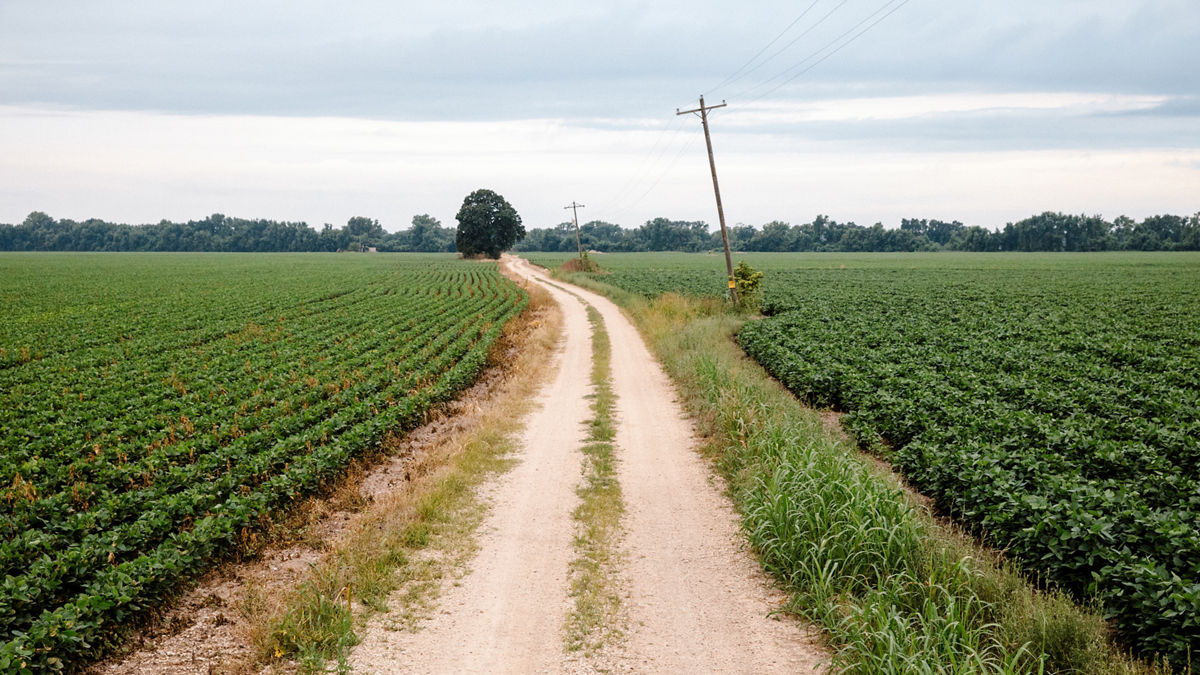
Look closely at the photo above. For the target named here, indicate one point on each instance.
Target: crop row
(169, 413)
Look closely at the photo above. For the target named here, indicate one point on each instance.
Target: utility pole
(712, 164)
(575, 219)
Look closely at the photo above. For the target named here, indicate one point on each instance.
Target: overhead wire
(897, 5)
(673, 130)
(629, 206)
(657, 151)
(734, 77)
(796, 39)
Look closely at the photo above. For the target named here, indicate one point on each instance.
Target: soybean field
(1050, 402)
(155, 408)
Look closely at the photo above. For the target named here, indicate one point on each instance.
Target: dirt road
(506, 616)
(694, 601)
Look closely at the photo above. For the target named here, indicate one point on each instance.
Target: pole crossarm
(702, 108)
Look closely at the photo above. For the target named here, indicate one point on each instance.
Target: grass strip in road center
(593, 622)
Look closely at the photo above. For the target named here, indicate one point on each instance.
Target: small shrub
(749, 286)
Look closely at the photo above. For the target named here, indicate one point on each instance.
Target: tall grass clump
(893, 590)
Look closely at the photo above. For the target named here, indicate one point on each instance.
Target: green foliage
(749, 286)
(219, 233)
(425, 235)
(155, 410)
(487, 225)
(651, 274)
(1043, 232)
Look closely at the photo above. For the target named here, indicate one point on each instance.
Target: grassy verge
(593, 621)
(893, 590)
(411, 539)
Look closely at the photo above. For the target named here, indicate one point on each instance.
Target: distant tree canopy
(40, 232)
(487, 225)
(1044, 232)
(659, 234)
(426, 234)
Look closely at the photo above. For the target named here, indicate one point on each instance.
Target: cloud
(1182, 106)
(964, 121)
(467, 60)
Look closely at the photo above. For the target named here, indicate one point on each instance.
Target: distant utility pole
(575, 219)
(712, 164)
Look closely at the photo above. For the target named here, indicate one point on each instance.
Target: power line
(629, 206)
(657, 152)
(822, 59)
(796, 39)
(818, 52)
(669, 133)
(734, 77)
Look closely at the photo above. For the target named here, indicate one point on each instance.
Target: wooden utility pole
(712, 164)
(575, 219)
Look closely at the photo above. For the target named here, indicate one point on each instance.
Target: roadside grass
(893, 590)
(594, 620)
(418, 534)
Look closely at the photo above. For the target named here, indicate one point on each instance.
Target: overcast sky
(864, 110)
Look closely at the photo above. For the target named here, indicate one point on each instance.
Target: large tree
(487, 224)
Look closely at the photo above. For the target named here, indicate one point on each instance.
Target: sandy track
(694, 601)
(506, 615)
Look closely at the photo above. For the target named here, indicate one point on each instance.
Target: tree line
(1044, 232)
(219, 233)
